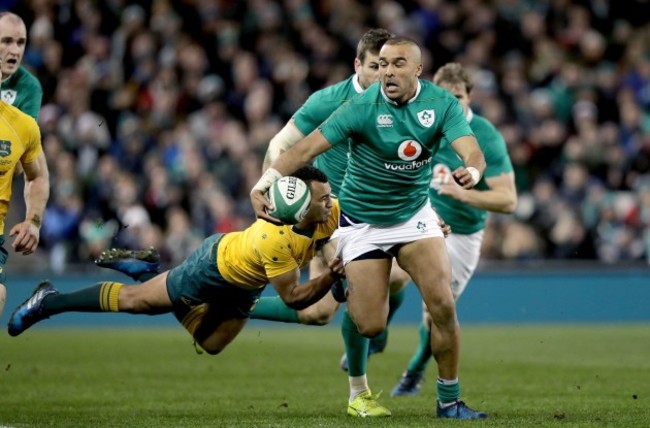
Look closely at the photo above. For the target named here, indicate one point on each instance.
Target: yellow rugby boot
(365, 405)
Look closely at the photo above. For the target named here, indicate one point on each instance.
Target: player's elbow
(510, 205)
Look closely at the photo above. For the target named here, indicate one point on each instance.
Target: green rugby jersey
(463, 218)
(23, 91)
(318, 107)
(391, 147)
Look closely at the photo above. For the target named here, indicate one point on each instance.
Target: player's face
(399, 69)
(368, 70)
(13, 37)
(321, 202)
(460, 92)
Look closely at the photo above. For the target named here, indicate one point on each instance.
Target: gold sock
(109, 296)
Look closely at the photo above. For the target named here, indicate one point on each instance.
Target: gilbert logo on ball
(291, 197)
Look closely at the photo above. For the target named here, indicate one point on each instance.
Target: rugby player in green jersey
(464, 209)
(333, 163)
(395, 127)
(315, 111)
(18, 86)
(213, 291)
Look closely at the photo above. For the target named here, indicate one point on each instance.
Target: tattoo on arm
(36, 220)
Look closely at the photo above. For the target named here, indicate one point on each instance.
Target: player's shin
(101, 297)
(274, 309)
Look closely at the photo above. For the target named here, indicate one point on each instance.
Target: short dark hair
(309, 173)
(453, 73)
(401, 40)
(372, 41)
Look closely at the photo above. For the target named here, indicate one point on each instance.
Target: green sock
(356, 346)
(101, 297)
(274, 309)
(422, 356)
(448, 391)
(394, 302)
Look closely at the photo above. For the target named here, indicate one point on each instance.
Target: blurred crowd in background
(156, 114)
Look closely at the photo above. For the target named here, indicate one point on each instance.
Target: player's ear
(418, 71)
(357, 64)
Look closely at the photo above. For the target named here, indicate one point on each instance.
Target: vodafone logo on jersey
(409, 150)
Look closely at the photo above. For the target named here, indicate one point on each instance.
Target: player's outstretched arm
(298, 296)
(297, 156)
(500, 196)
(281, 142)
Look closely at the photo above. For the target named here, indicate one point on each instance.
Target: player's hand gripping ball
(291, 197)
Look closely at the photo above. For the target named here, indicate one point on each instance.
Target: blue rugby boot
(31, 310)
(134, 263)
(409, 384)
(459, 410)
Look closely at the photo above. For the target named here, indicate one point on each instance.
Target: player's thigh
(149, 297)
(218, 333)
(368, 293)
(427, 262)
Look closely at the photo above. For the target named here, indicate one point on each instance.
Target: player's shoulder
(16, 116)
(337, 92)
(430, 89)
(372, 95)
(27, 79)
(480, 124)
(267, 234)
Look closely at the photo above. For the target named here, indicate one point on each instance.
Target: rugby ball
(291, 197)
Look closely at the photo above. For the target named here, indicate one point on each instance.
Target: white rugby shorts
(357, 239)
(464, 253)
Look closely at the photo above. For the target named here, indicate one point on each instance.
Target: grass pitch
(523, 376)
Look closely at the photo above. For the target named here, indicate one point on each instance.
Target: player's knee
(212, 349)
(371, 329)
(442, 309)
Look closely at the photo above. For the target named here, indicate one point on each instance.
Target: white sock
(358, 384)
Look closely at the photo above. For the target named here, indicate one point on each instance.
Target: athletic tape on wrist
(265, 182)
(476, 176)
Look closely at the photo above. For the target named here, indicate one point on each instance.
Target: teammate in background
(464, 209)
(395, 128)
(213, 291)
(20, 144)
(18, 86)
